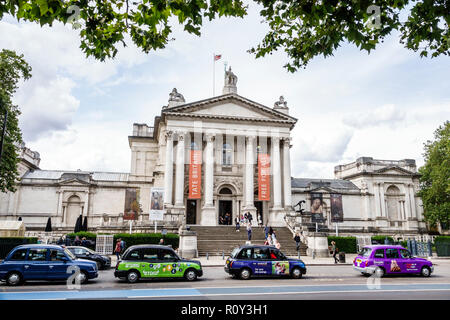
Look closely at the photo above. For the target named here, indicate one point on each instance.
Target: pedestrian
(250, 218)
(277, 244)
(161, 242)
(266, 231)
(67, 241)
(297, 241)
(122, 245)
(117, 250)
(238, 225)
(249, 231)
(60, 241)
(260, 223)
(274, 238)
(334, 251)
(84, 242)
(77, 241)
(245, 217)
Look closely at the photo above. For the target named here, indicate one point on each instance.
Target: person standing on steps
(249, 231)
(238, 225)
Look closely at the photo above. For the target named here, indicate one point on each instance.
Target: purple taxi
(389, 259)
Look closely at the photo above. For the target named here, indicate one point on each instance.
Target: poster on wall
(195, 175)
(157, 204)
(316, 208)
(263, 177)
(132, 206)
(337, 214)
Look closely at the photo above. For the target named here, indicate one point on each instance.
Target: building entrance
(191, 212)
(225, 212)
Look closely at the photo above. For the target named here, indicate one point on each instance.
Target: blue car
(44, 262)
(252, 260)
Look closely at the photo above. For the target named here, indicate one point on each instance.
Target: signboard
(132, 206)
(156, 204)
(263, 177)
(316, 208)
(337, 214)
(195, 175)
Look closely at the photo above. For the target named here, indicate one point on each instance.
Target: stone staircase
(218, 239)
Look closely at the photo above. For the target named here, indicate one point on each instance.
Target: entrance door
(225, 212)
(191, 212)
(259, 210)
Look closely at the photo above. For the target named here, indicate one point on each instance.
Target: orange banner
(263, 177)
(195, 175)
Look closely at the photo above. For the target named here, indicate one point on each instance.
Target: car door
(17, 260)
(169, 264)
(150, 265)
(392, 260)
(406, 263)
(36, 265)
(280, 264)
(261, 263)
(379, 258)
(58, 265)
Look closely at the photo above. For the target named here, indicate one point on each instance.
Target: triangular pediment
(230, 106)
(74, 182)
(394, 170)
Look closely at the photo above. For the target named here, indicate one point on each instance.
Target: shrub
(148, 238)
(82, 234)
(344, 244)
(380, 239)
(442, 239)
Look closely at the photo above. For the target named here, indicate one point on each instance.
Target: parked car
(44, 262)
(390, 259)
(103, 262)
(253, 260)
(155, 261)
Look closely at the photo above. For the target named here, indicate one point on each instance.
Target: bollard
(223, 255)
(207, 256)
(298, 254)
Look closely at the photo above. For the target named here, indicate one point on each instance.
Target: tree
(303, 28)
(12, 69)
(435, 178)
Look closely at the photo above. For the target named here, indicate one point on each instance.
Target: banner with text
(263, 177)
(195, 175)
(157, 204)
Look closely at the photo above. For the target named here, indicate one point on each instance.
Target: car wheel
(425, 272)
(296, 273)
(132, 276)
(82, 277)
(245, 274)
(14, 279)
(190, 275)
(379, 272)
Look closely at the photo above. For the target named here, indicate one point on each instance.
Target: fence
(104, 244)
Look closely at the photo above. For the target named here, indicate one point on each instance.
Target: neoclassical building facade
(204, 161)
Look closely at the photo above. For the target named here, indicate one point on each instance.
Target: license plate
(358, 260)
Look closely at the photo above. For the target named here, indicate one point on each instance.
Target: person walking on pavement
(117, 250)
(122, 245)
(334, 251)
(237, 220)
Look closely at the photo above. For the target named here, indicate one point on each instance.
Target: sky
(78, 112)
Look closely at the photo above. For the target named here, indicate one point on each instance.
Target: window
(278, 254)
(57, 255)
(245, 254)
(134, 255)
(150, 254)
(167, 255)
(227, 154)
(261, 253)
(379, 253)
(19, 255)
(78, 251)
(391, 253)
(405, 254)
(365, 252)
(37, 255)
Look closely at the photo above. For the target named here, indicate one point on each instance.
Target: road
(320, 282)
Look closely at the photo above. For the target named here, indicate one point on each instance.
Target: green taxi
(155, 261)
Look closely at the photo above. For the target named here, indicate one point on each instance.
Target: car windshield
(89, 250)
(365, 252)
(234, 253)
(69, 254)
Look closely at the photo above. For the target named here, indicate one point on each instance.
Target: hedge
(82, 234)
(344, 244)
(380, 239)
(9, 243)
(148, 238)
(442, 239)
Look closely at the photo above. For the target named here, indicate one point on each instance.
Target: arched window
(227, 154)
(225, 190)
(393, 197)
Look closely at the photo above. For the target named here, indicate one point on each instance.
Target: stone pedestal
(188, 244)
(208, 216)
(381, 222)
(317, 244)
(276, 217)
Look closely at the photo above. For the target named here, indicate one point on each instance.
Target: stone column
(382, 201)
(179, 187)
(413, 201)
(276, 173)
(168, 173)
(287, 174)
(209, 170)
(376, 192)
(249, 172)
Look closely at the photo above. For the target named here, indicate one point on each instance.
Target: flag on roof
(217, 57)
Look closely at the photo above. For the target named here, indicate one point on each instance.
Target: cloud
(385, 115)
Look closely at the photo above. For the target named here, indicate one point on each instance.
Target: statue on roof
(230, 82)
(281, 103)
